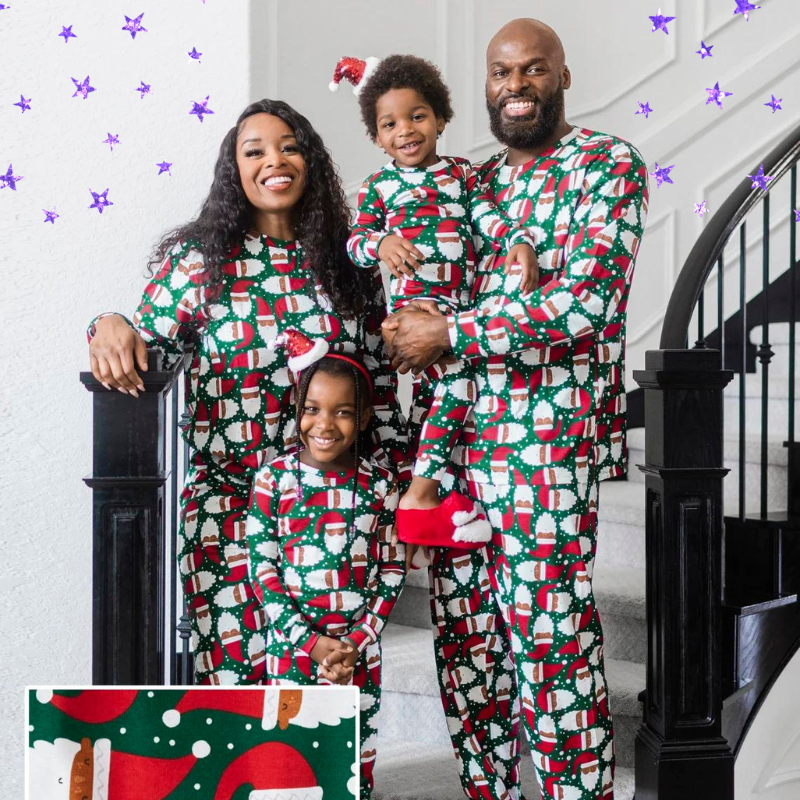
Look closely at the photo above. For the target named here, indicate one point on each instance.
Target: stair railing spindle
(743, 371)
(765, 356)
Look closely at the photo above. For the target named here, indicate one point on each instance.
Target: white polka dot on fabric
(151, 694)
(316, 744)
(156, 739)
(209, 721)
(230, 746)
(123, 730)
(197, 786)
(248, 727)
(172, 743)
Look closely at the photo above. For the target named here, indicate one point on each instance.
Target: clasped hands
(336, 658)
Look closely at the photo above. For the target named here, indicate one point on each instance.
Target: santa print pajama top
(240, 393)
(319, 565)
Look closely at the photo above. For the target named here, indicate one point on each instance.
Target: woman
(266, 253)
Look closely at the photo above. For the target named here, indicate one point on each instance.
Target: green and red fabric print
(518, 639)
(322, 562)
(214, 744)
(240, 397)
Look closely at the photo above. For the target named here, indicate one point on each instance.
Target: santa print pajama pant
(286, 665)
(523, 618)
(226, 617)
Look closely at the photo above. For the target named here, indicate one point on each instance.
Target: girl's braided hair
(322, 217)
(340, 368)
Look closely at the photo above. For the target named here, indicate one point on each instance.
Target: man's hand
(415, 338)
(400, 256)
(525, 256)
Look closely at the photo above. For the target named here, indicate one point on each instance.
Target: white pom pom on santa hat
(301, 350)
(355, 70)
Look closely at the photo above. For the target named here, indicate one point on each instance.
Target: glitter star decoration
(24, 104)
(700, 208)
(744, 8)
(67, 33)
(111, 141)
(660, 23)
(193, 54)
(5, 8)
(50, 216)
(644, 108)
(796, 215)
(10, 179)
(134, 26)
(100, 201)
(164, 167)
(661, 174)
(705, 50)
(774, 104)
(201, 108)
(143, 89)
(82, 89)
(760, 180)
(716, 95)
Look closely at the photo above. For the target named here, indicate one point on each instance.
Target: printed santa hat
(354, 70)
(276, 771)
(271, 706)
(301, 350)
(94, 706)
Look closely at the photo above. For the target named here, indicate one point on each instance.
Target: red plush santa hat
(354, 70)
(276, 771)
(301, 350)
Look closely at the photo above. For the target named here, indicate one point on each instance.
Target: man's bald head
(530, 33)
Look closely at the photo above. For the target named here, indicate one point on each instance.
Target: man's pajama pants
(287, 665)
(520, 623)
(226, 617)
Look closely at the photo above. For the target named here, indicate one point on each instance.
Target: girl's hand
(400, 256)
(329, 654)
(115, 351)
(525, 256)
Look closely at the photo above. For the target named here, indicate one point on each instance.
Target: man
(548, 425)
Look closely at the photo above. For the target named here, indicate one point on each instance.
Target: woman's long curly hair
(322, 218)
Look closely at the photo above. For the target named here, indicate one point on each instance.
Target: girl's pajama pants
(520, 624)
(287, 665)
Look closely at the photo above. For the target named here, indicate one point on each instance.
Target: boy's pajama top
(322, 562)
(240, 401)
(439, 208)
(519, 622)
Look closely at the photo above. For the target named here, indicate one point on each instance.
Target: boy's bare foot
(422, 493)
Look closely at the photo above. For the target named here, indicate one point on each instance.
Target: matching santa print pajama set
(322, 562)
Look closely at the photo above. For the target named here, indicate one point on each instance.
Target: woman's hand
(115, 351)
(400, 256)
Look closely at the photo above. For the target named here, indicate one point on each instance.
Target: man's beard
(523, 133)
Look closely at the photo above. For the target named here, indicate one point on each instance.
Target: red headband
(360, 367)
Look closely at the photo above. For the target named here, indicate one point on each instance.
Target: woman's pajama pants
(521, 623)
(289, 666)
(226, 617)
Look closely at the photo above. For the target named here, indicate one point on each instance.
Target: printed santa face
(51, 767)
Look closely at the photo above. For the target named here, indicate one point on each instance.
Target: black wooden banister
(711, 243)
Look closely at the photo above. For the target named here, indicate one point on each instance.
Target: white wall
(56, 277)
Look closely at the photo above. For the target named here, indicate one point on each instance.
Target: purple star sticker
(82, 89)
(194, 54)
(101, 201)
(774, 104)
(67, 33)
(744, 8)
(143, 89)
(716, 95)
(700, 208)
(644, 108)
(10, 179)
(134, 26)
(50, 216)
(25, 105)
(661, 174)
(111, 141)
(164, 167)
(660, 23)
(4, 8)
(760, 180)
(796, 215)
(705, 50)
(201, 108)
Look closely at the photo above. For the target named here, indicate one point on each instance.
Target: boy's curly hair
(404, 72)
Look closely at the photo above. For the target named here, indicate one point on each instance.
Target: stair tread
(409, 668)
(407, 770)
(622, 502)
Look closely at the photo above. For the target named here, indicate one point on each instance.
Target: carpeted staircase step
(621, 521)
(408, 770)
(411, 707)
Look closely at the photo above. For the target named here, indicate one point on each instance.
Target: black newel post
(680, 750)
(128, 484)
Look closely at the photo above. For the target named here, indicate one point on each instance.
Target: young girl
(417, 214)
(321, 557)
